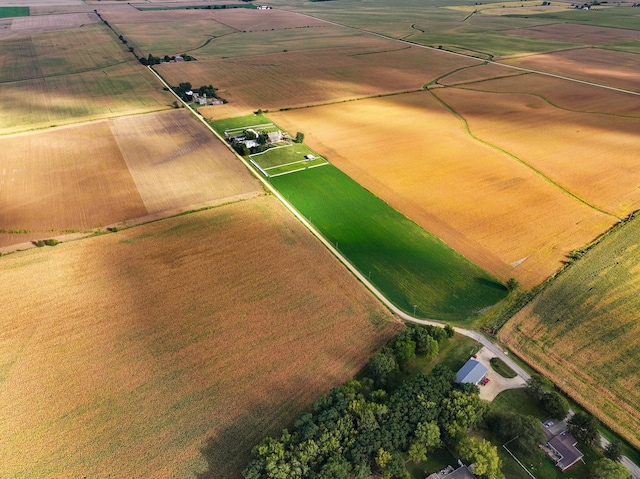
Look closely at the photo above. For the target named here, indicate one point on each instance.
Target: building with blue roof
(472, 372)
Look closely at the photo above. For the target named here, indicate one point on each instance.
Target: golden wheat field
(176, 162)
(414, 154)
(616, 69)
(83, 177)
(168, 350)
(594, 156)
(65, 179)
(583, 331)
(558, 93)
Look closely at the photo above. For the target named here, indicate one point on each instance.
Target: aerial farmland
(214, 263)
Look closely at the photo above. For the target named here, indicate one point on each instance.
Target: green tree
(483, 455)
(381, 366)
(537, 386)
(427, 437)
(458, 413)
(299, 137)
(613, 450)
(584, 427)
(555, 404)
(404, 349)
(605, 468)
(449, 330)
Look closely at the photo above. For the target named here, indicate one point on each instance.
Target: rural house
(561, 444)
(472, 372)
(463, 472)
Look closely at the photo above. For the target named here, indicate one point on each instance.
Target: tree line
(373, 424)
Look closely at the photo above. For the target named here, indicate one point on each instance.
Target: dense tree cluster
(367, 427)
(153, 60)
(541, 390)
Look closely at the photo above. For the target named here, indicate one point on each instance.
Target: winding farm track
(527, 70)
(494, 348)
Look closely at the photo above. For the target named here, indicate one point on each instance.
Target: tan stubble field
(169, 349)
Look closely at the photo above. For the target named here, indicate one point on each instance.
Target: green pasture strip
(8, 12)
(202, 7)
(410, 266)
(631, 46)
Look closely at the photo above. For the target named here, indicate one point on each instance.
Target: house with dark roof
(561, 445)
(472, 372)
(463, 472)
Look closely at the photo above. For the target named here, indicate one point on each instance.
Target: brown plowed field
(308, 77)
(69, 178)
(593, 156)
(575, 33)
(169, 350)
(415, 155)
(615, 69)
(175, 161)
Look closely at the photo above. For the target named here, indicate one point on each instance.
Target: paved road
(364, 280)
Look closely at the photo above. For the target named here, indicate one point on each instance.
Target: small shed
(472, 372)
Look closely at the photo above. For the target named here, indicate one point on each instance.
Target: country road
(635, 471)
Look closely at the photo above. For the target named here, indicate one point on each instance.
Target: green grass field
(8, 12)
(408, 264)
(582, 331)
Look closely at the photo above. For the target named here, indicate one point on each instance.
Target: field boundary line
(263, 125)
(288, 172)
(269, 149)
(420, 45)
(319, 165)
(518, 461)
(285, 164)
(258, 166)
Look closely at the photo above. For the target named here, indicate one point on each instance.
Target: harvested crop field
(583, 331)
(576, 33)
(611, 68)
(502, 221)
(559, 93)
(591, 155)
(83, 177)
(123, 89)
(311, 77)
(25, 26)
(90, 47)
(260, 20)
(168, 350)
(176, 162)
(65, 179)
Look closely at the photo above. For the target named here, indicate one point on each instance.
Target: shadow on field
(229, 451)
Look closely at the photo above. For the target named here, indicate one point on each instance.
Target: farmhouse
(472, 372)
(561, 444)
(463, 472)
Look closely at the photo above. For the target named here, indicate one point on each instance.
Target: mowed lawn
(408, 264)
(583, 331)
(170, 349)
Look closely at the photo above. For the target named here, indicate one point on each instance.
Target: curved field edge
(198, 376)
(582, 331)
